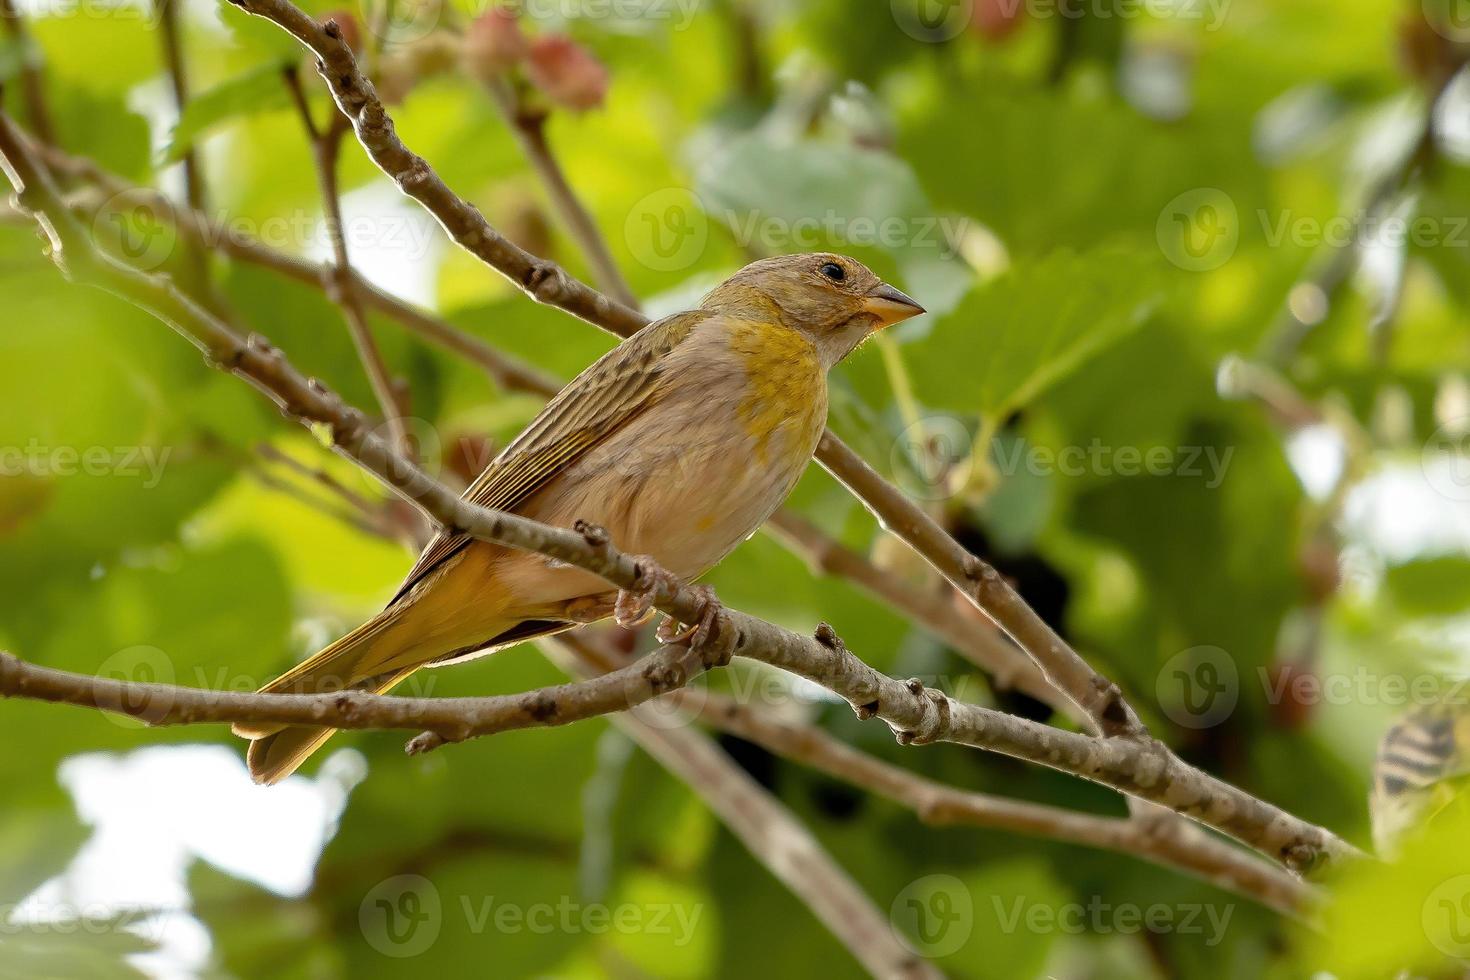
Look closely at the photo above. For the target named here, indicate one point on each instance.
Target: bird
(1421, 769)
(680, 442)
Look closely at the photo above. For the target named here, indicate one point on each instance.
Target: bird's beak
(889, 306)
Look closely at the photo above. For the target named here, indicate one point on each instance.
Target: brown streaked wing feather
(598, 402)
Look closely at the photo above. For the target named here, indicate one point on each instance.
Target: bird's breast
(699, 471)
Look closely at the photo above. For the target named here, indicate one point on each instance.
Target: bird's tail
(363, 660)
(373, 658)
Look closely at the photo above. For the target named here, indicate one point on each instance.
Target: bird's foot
(696, 634)
(634, 606)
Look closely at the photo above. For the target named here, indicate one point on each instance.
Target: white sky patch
(157, 810)
(1451, 123)
(391, 241)
(1317, 456)
(1400, 514)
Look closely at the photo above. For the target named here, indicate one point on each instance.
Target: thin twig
(374, 526)
(173, 56)
(1331, 269)
(529, 128)
(326, 148)
(32, 85)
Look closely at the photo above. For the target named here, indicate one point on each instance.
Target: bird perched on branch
(680, 442)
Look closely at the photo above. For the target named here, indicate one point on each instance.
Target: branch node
(1301, 857)
(827, 637)
(417, 175)
(866, 711)
(228, 361)
(664, 677)
(424, 742)
(545, 280)
(914, 685)
(543, 708)
(595, 535)
(931, 730)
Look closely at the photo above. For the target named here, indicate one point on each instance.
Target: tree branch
(449, 719)
(1177, 845)
(977, 580)
(783, 844)
(933, 612)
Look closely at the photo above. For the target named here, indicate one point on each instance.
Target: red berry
(567, 73)
(494, 43)
(996, 20)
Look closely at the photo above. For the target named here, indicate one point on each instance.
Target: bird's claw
(696, 634)
(634, 606)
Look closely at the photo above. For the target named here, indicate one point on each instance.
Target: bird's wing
(601, 400)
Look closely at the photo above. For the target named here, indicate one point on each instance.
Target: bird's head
(832, 300)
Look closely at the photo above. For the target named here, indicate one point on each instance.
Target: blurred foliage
(1097, 208)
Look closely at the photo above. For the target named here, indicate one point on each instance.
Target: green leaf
(779, 196)
(260, 90)
(1390, 919)
(1431, 586)
(93, 948)
(13, 55)
(1016, 336)
(35, 844)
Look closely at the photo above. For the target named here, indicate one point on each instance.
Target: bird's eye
(833, 271)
